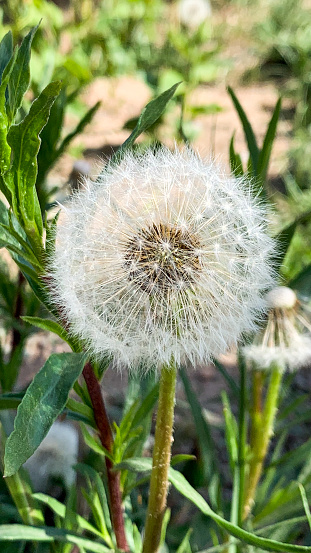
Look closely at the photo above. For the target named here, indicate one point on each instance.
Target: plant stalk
(262, 430)
(106, 438)
(161, 459)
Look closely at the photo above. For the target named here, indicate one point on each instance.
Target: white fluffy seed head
(285, 339)
(151, 264)
(55, 457)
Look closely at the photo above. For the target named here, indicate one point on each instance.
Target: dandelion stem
(161, 459)
(106, 438)
(262, 429)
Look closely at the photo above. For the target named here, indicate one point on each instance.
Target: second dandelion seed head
(285, 340)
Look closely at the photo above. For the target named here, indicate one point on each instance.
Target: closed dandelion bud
(164, 257)
(285, 340)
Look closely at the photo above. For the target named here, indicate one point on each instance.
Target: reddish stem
(106, 438)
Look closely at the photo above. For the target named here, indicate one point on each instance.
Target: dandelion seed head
(151, 263)
(285, 339)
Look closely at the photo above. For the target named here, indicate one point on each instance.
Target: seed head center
(162, 257)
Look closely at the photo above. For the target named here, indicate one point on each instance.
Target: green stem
(239, 469)
(161, 459)
(262, 430)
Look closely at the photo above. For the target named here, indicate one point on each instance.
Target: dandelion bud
(165, 256)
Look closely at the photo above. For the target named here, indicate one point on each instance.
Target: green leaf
(146, 406)
(14, 242)
(248, 131)
(20, 76)
(60, 509)
(25, 142)
(50, 326)
(235, 160)
(44, 400)
(284, 238)
(305, 503)
(166, 519)
(49, 139)
(11, 400)
(99, 503)
(181, 458)
(93, 444)
(86, 119)
(6, 51)
(206, 443)
(302, 282)
(17, 532)
(86, 412)
(181, 484)
(151, 112)
(265, 153)
(228, 378)
(5, 158)
(185, 544)
(230, 432)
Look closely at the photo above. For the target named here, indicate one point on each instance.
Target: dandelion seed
(285, 340)
(145, 270)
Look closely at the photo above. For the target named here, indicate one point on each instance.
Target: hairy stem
(262, 430)
(161, 460)
(106, 438)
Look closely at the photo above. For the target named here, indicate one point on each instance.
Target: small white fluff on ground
(55, 456)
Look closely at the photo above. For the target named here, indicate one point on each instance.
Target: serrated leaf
(20, 77)
(44, 400)
(6, 51)
(17, 532)
(25, 142)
